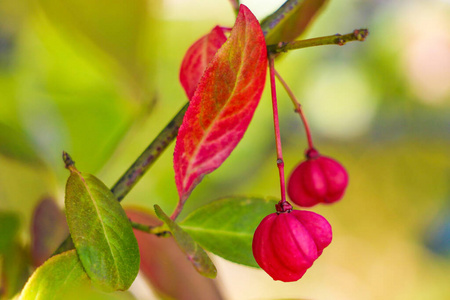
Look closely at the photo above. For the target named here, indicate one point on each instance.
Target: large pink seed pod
(286, 244)
(319, 179)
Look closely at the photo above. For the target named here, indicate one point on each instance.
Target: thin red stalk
(298, 108)
(177, 210)
(280, 162)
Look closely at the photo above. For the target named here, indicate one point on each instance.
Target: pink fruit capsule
(286, 244)
(319, 179)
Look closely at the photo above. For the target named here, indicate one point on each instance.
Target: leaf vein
(101, 223)
(190, 169)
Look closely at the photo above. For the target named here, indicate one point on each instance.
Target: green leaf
(101, 232)
(196, 255)
(290, 20)
(225, 227)
(55, 277)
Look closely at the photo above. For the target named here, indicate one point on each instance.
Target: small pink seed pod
(318, 179)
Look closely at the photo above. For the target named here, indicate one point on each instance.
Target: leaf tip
(159, 212)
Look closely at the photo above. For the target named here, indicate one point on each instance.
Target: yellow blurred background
(99, 79)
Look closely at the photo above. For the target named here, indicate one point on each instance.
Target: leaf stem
(336, 39)
(280, 162)
(177, 210)
(156, 230)
(298, 108)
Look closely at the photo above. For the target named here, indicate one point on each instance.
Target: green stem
(337, 39)
(156, 230)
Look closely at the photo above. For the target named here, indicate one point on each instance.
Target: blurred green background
(99, 79)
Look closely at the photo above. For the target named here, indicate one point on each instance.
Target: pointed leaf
(101, 232)
(166, 267)
(225, 227)
(196, 255)
(197, 58)
(290, 20)
(48, 230)
(223, 104)
(55, 277)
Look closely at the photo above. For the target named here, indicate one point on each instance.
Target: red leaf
(197, 58)
(48, 230)
(166, 267)
(223, 104)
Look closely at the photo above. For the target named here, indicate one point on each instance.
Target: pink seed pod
(286, 244)
(319, 179)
